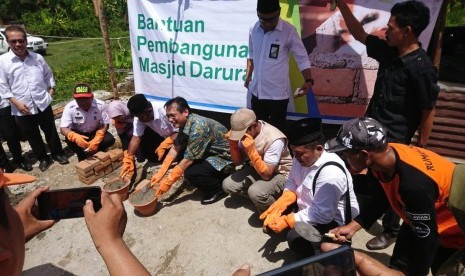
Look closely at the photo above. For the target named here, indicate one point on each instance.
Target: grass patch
(76, 61)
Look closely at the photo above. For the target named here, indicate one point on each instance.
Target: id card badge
(274, 51)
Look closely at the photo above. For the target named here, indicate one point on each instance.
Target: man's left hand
(305, 89)
(27, 211)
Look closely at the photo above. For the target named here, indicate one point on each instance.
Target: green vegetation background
(82, 59)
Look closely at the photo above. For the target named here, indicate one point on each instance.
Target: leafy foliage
(455, 13)
(82, 61)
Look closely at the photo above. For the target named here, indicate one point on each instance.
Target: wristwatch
(310, 81)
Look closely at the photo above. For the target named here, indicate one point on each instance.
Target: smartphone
(67, 203)
(339, 261)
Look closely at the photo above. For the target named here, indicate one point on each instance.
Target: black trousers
(391, 221)
(205, 177)
(11, 133)
(149, 142)
(30, 124)
(108, 141)
(271, 111)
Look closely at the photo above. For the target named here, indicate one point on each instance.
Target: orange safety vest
(440, 171)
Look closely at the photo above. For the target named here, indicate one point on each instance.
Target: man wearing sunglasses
(271, 41)
(27, 82)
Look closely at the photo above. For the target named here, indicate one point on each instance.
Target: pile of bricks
(99, 165)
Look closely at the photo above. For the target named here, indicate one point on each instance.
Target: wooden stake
(100, 10)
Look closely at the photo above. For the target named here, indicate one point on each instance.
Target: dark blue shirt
(404, 87)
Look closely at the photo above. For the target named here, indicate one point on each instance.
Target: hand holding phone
(67, 203)
(27, 211)
(107, 225)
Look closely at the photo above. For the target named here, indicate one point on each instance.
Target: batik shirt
(206, 141)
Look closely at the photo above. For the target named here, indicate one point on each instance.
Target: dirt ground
(182, 238)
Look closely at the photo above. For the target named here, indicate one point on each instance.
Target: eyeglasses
(14, 41)
(268, 19)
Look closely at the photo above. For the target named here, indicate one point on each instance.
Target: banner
(198, 50)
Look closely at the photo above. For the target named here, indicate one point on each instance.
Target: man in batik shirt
(206, 160)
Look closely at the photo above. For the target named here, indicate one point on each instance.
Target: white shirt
(270, 54)
(77, 119)
(328, 204)
(160, 123)
(4, 103)
(27, 81)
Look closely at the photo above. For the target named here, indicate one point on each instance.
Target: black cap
(358, 134)
(137, 104)
(305, 131)
(267, 6)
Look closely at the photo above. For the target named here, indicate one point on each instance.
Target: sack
(456, 200)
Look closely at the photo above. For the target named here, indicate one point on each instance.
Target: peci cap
(304, 131)
(82, 90)
(137, 104)
(241, 119)
(267, 6)
(7, 179)
(358, 134)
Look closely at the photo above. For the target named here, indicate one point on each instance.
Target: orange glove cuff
(95, 142)
(166, 144)
(236, 154)
(163, 168)
(257, 162)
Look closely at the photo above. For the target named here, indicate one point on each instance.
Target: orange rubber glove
(93, 144)
(281, 223)
(167, 182)
(127, 169)
(278, 207)
(257, 162)
(80, 140)
(163, 168)
(163, 147)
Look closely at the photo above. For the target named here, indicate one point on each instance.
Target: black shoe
(213, 198)
(381, 242)
(60, 158)
(45, 163)
(24, 165)
(9, 168)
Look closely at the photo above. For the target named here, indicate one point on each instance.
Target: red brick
(108, 170)
(113, 155)
(116, 154)
(85, 174)
(99, 174)
(343, 110)
(84, 166)
(94, 162)
(366, 83)
(334, 82)
(88, 180)
(102, 156)
(116, 164)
